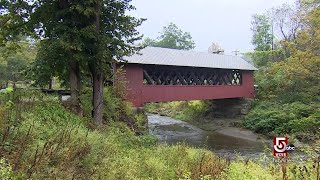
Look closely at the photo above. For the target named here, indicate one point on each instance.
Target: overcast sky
(226, 22)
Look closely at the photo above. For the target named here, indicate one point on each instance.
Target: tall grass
(40, 139)
(48, 142)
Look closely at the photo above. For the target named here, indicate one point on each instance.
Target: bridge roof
(174, 57)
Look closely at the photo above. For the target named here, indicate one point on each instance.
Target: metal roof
(174, 57)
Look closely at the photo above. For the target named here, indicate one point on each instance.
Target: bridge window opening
(169, 75)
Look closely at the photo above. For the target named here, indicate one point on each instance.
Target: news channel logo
(281, 146)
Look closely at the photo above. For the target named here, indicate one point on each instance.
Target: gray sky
(226, 22)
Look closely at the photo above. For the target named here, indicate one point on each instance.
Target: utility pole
(272, 43)
(272, 38)
(236, 52)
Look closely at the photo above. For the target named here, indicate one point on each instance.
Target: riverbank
(230, 143)
(198, 114)
(49, 142)
(259, 125)
(229, 127)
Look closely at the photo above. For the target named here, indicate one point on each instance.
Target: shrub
(6, 172)
(112, 104)
(115, 109)
(250, 170)
(273, 118)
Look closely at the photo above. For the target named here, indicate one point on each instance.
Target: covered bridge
(159, 74)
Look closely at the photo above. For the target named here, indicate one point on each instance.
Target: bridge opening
(175, 75)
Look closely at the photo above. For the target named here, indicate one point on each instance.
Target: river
(224, 141)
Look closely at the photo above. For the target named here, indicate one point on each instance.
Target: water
(65, 97)
(172, 131)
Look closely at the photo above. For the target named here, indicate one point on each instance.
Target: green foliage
(183, 110)
(289, 74)
(171, 109)
(52, 143)
(265, 58)
(48, 142)
(112, 104)
(50, 62)
(6, 172)
(262, 37)
(288, 90)
(115, 110)
(249, 171)
(173, 38)
(273, 118)
(76, 36)
(271, 168)
(307, 128)
(6, 91)
(14, 62)
(13, 18)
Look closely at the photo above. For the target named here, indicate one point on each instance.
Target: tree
(87, 35)
(262, 36)
(14, 62)
(59, 24)
(172, 37)
(289, 88)
(114, 35)
(262, 59)
(94, 34)
(13, 19)
(297, 77)
(62, 25)
(305, 56)
(286, 21)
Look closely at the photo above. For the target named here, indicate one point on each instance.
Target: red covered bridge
(160, 74)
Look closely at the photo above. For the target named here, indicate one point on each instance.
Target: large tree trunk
(74, 76)
(97, 74)
(98, 81)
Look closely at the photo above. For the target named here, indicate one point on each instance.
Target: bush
(249, 170)
(115, 109)
(273, 118)
(112, 104)
(6, 172)
(270, 168)
(307, 128)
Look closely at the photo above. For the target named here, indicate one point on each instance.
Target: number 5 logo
(279, 146)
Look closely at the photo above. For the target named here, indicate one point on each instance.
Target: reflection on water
(172, 131)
